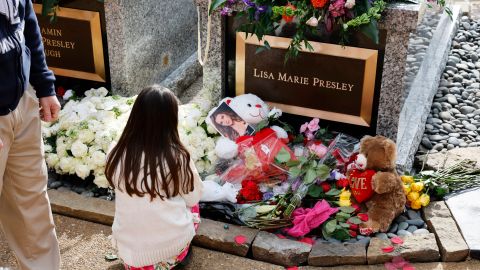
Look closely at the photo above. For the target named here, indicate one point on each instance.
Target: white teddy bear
(251, 109)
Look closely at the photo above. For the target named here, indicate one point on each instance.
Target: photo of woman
(229, 123)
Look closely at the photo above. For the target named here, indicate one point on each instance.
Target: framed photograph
(229, 124)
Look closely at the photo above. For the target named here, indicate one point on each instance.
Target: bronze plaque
(73, 44)
(332, 82)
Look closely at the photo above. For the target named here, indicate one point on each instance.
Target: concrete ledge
(416, 248)
(69, 203)
(221, 236)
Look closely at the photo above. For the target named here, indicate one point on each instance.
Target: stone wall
(147, 40)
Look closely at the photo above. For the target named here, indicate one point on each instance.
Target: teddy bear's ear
(365, 143)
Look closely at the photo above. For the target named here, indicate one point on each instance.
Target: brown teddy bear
(388, 200)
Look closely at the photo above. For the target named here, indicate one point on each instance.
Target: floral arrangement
(417, 196)
(312, 17)
(78, 142)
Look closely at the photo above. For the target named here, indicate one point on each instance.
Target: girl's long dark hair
(151, 134)
(226, 130)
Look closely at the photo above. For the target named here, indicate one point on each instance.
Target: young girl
(156, 185)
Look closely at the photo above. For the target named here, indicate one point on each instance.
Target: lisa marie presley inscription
(314, 81)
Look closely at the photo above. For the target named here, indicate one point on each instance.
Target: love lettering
(359, 182)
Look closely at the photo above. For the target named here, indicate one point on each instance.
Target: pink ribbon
(307, 219)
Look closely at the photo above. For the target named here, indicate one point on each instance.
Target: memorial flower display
(311, 17)
(78, 142)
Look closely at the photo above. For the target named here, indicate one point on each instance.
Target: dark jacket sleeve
(41, 78)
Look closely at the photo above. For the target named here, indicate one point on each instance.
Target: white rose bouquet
(79, 141)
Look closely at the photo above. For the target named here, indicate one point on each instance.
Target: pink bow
(307, 219)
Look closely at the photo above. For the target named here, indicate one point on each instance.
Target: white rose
(200, 165)
(350, 4)
(98, 158)
(47, 148)
(211, 130)
(79, 149)
(82, 171)
(275, 113)
(86, 136)
(68, 94)
(66, 164)
(101, 181)
(52, 160)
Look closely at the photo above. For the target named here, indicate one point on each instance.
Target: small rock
(412, 228)
(364, 241)
(402, 226)
(413, 215)
(403, 233)
(445, 115)
(401, 219)
(467, 109)
(391, 235)
(454, 141)
(436, 137)
(382, 236)
(416, 222)
(426, 142)
(88, 194)
(471, 127)
(56, 184)
(393, 228)
(421, 231)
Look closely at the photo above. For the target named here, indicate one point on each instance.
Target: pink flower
(313, 125)
(310, 135)
(319, 149)
(337, 8)
(303, 128)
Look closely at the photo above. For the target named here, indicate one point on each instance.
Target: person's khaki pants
(25, 213)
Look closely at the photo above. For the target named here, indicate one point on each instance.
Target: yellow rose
(418, 186)
(407, 179)
(345, 195)
(345, 203)
(413, 196)
(424, 199)
(416, 205)
(406, 189)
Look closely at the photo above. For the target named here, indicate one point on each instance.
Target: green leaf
(344, 225)
(347, 209)
(341, 234)
(342, 216)
(333, 192)
(295, 171)
(331, 226)
(282, 156)
(371, 31)
(323, 171)
(354, 220)
(292, 163)
(310, 176)
(215, 4)
(315, 191)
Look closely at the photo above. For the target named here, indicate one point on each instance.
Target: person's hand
(49, 108)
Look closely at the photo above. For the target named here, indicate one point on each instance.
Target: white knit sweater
(147, 232)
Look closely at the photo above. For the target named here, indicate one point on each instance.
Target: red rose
(342, 183)
(352, 233)
(318, 3)
(325, 186)
(353, 227)
(249, 192)
(363, 216)
(60, 91)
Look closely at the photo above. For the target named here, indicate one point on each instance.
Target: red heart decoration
(361, 184)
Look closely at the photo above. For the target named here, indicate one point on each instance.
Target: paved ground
(84, 244)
